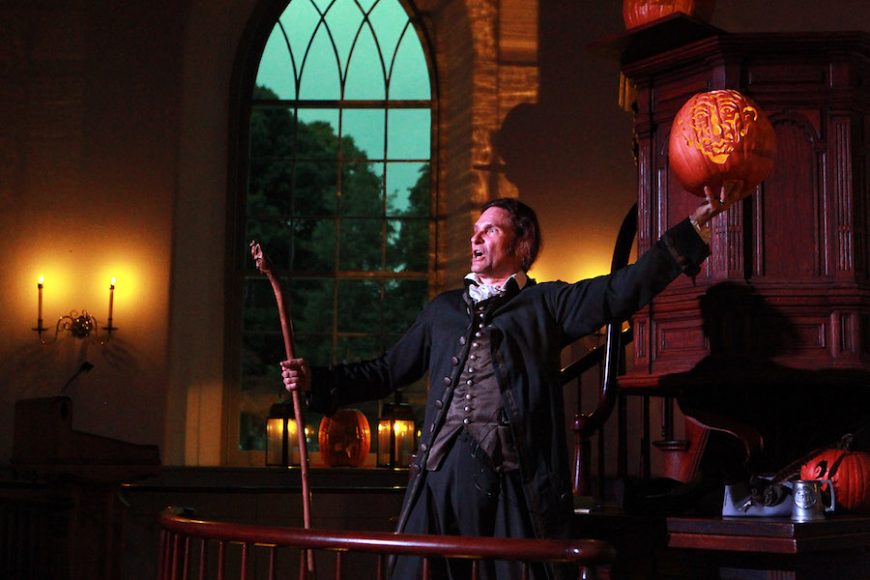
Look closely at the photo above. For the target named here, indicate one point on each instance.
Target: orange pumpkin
(344, 438)
(721, 137)
(850, 473)
(638, 12)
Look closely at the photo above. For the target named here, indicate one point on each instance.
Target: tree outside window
(339, 194)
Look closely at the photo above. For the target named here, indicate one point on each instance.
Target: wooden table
(835, 548)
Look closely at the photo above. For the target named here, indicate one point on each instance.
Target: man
(492, 459)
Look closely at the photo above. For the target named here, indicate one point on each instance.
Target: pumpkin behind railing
(345, 438)
(638, 12)
(849, 471)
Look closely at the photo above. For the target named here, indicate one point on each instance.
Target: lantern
(282, 441)
(849, 471)
(721, 137)
(397, 436)
(345, 438)
(638, 12)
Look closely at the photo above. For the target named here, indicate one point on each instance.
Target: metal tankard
(808, 502)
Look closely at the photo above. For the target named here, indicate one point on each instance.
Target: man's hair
(525, 223)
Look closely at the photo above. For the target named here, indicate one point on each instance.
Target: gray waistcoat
(476, 403)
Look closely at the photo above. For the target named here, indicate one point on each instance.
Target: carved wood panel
(799, 243)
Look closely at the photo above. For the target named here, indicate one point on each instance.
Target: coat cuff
(321, 396)
(687, 247)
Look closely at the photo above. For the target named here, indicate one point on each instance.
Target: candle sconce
(78, 324)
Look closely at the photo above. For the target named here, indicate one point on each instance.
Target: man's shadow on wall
(526, 150)
(763, 415)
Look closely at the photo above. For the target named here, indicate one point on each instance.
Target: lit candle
(111, 300)
(39, 303)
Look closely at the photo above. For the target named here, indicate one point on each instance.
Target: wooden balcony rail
(199, 549)
(588, 424)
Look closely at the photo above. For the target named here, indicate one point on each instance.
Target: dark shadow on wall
(523, 146)
(741, 392)
(758, 417)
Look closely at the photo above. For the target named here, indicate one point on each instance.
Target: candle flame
(112, 283)
(41, 280)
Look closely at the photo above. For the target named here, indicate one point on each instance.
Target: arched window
(338, 194)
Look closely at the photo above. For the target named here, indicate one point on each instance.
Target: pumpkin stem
(846, 441)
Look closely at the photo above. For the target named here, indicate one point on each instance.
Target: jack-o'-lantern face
(721, 137)
(719, 124)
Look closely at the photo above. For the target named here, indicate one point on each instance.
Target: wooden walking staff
(265, 267)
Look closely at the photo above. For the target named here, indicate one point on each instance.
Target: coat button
(465, 421)
(423, 447)
(461, 340)
(454, 360)
(446, 380)
(439, 403)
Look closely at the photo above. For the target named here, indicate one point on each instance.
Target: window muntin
(338, 193)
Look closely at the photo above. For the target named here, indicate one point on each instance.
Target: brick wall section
(476, 91)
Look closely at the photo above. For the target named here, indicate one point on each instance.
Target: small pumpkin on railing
(345, 438)
(849, 471)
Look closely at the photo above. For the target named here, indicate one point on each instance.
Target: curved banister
(613, 349)
(586, 552)
(585, 425)
(592, 358)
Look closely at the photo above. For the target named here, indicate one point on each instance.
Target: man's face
(493, 251)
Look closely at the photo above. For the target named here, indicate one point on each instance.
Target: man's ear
(524, 251)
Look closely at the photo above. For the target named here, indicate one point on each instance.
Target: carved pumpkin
(850, 473)
(345, 438)
(721, 137)
(638, 12)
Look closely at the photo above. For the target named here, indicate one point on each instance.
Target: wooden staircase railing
(586, 425)
(199, 549)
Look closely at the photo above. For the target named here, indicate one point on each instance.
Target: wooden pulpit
(69, 515)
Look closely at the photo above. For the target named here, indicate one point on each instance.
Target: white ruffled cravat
(480, 291)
